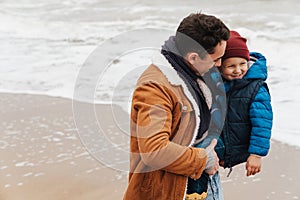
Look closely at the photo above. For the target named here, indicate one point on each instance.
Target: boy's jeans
(214, 191)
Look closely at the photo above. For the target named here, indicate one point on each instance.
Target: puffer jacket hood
(258, 68)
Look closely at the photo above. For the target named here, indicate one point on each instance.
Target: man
(171, 111)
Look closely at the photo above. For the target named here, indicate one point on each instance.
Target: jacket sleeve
(261, 117)
(154, 107)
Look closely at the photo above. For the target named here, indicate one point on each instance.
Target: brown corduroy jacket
(164, 124)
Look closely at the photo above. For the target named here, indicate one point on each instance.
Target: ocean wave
(45, 44)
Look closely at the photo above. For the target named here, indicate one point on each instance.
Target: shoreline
(42, 156)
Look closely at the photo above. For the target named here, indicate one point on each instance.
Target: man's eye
(217, 60)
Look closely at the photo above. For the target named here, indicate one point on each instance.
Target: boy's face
(234, 68)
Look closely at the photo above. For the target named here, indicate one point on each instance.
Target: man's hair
(200, 33)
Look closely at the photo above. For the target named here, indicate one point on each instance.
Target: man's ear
(192, 57)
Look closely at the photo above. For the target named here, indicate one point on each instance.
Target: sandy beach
(42, 157)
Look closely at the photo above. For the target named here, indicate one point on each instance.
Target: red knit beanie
(236, 47)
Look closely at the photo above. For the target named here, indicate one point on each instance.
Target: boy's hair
(200, 33)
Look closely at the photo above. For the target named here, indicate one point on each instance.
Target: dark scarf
(170, 51)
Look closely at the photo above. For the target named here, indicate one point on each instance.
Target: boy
(247, 129)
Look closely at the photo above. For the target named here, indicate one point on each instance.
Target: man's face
(201, 66)
(234, 68)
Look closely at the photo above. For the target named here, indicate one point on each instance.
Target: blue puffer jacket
(249, 115)
(247, 128)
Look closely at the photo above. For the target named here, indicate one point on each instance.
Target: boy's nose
(237, 70)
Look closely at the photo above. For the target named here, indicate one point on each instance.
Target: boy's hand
(253, 165)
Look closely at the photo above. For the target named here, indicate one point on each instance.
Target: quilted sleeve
(261, 117)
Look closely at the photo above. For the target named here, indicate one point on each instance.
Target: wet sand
(43, 157)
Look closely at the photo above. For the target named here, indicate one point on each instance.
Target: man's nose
(218, 63)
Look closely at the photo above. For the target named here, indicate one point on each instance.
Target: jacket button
(184, 107)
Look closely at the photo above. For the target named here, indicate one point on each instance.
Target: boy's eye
(230, 66)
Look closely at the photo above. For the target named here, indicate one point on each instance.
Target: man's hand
(253, 165)
(212, 164)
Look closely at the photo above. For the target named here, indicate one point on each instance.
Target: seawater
(45, 44)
